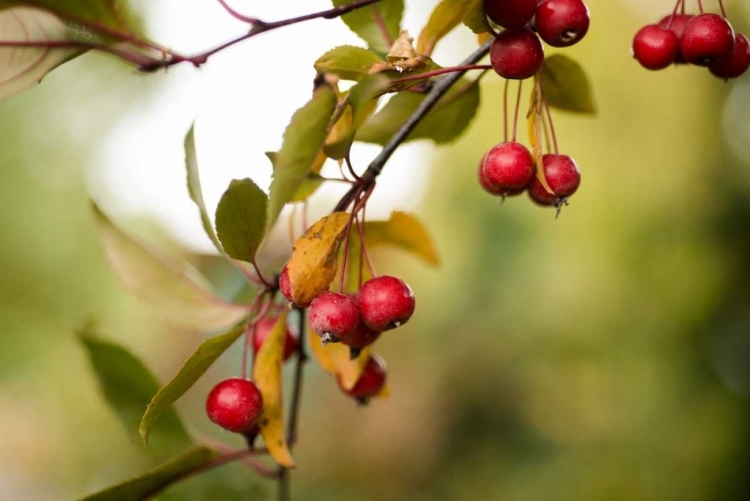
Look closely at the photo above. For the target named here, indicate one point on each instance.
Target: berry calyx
(655, 47)
(563, 177)
(707, 39)
(235, 404)
(510, 13)
(738, 61)
(264, 327)
(370, 382)
(334, 316)
(562, 23)
(676, 24)
(385, 302)
(507, 166)
(517, 54)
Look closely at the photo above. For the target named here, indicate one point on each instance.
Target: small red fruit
(361, 337)
(707, 39)
(562, 23)
(334, 316)
(264, 328)
(507, 166)
(517, 54)
(510, 13)
(385, 303)
(563, 177)
(677, 25)
(737, 63)
(371, 381)
(655, 47)
(235, 404)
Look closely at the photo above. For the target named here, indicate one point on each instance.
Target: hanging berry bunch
(517, 53)
(701, 39)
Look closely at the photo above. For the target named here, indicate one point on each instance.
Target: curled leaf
(267, 375)
(314, 257)
(534, 121)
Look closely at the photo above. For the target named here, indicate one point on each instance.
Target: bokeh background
(604, 355)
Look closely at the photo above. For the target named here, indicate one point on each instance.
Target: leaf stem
(442, 71)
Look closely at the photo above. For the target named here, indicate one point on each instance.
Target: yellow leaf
(384, 392)
(403, 231)
(535, 126)
(267, 375)
(315, 256)
(482, 38)
(335, 360)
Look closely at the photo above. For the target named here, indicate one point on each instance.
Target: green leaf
(106, 12)
(127, 386)
(347, 62)
(566, 85)
(177, 292)
(241, 219)
(195, 366)
(194, 187)
(303, 139)
(363, 22)
(448, 119)
(155, 481)
(363, 100)
(475, 19)
(446, 16)
(23, 67)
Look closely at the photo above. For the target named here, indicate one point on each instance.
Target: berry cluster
(517, 53)
(705, 39)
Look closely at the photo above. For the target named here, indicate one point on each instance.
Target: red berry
(517, 54)
(371, 381)
(737, 63)
(507, 166)
(235, 404)
(361, 337)
(334, 316)
(563, 177)
(285, 286)
(677, 25)
(264, 328)
(510, 13)
(385, 303)
(654, 47)
(707, 39)
(562, 23)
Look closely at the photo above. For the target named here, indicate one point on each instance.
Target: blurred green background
(601, 356)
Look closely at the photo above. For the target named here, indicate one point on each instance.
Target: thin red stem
(518, 107)
(700, 6)
(723, 10)
(505, 111)
(547, 134)
(305, 207)
(351, 169)
(549, 117)
(381, 25)
(363, 249)
(237, 15)
(674, 12)
(442, 71)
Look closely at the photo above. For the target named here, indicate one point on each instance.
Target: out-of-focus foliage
(599, 356)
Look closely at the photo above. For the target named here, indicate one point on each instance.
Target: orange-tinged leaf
(334, 358)
(315, 256)
(267, 375)
(403, 231)
(384, 392)
(535, 126)
(482, 38)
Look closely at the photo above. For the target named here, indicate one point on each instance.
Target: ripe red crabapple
(563, 177)
(676, 25)
(510, 13)
(235, 404)
(385, 302)
(562, 23)
(655, 47)
(334, 316)
(264, 327)
(370, 382)
(517, 54)
(507, 166)
(738, 61)
(707, 39)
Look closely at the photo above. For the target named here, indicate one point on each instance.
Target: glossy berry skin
(235, 405)
(563, 177)
(510, 13)
(264, 328)
(707, 39)
(655, 47)
(562, 23)
(371, 381)
(361, 337)
(334, 316)
(385, 302)
(507, 166)
(737, 63)
(517, 54)
(677, 26)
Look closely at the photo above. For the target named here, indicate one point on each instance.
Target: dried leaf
(267, 375)
(335, 359)
(314, 257)
(536, 129)
(402, 48)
